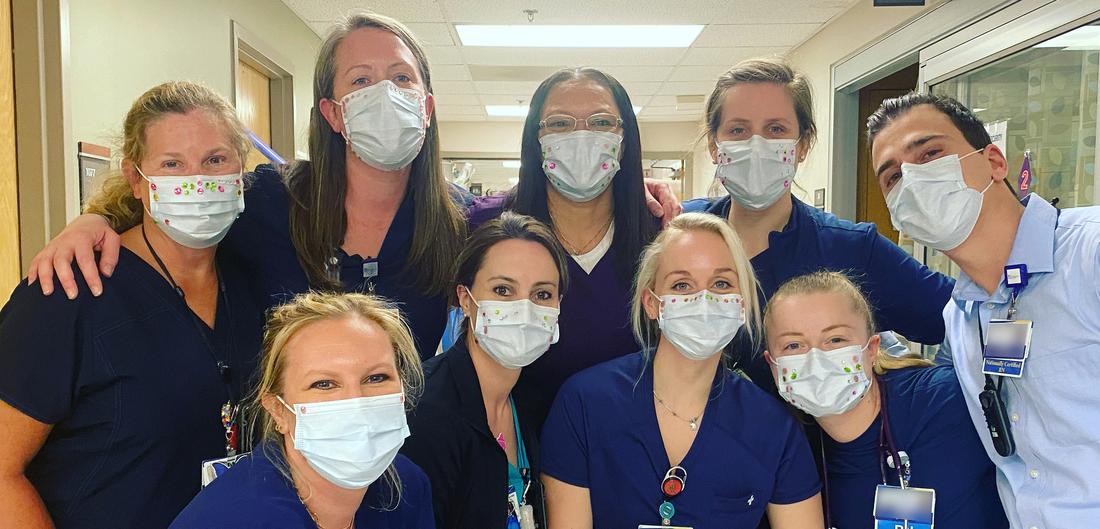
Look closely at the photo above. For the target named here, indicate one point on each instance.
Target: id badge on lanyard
(672, 485)
(904, 508)
(214, 468)
(1007, 343)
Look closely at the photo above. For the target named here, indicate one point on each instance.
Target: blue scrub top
(260, 241)
(929, 421)
(602, 434)
(594, 323)
(907, 297)
(130, 388)
(255, 495)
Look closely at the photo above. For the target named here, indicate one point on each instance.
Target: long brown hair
(318, 187)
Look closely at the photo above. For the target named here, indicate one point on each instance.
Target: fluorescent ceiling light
(519, 111)
(593, 36)
(1081, 39)
(510, 164)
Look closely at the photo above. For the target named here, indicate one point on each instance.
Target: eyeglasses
(602, 122)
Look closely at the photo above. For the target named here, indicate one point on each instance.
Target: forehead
(517, 258)
(695, 250)
(197, 129)
(346, 342)
(757, 101)
(812, 312)
(579, 97)
(919, 122)
(372, 46)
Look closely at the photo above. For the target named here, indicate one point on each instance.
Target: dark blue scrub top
(260, 241)
(929, 421)
(907, 297)
(594, 323)
(130, 388)
(253, 494)
(602, 434)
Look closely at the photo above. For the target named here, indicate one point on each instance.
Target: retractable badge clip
(996, 419)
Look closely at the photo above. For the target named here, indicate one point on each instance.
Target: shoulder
(414, 482)
(829, 224)
(753, 401)
(480, 210)
(1080, 227)
(713, 205)
(608, 380)
(251, 494)
(926, 394)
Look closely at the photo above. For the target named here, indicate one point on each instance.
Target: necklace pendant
(694, 425)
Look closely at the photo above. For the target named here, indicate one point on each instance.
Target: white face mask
(700, 324)
(933, 205)
(515, 333)
(823, 383)
(756, 171)
(581, 164)
(384, 124)
(195, 211)
(350, 442)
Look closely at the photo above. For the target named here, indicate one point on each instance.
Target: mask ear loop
(961, 158)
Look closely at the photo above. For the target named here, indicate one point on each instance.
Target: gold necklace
(313, 515)
(692, 421)
(575, 250)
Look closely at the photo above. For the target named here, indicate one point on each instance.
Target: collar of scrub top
(799, 214)
(394, 250)
(471, 406)
(1033, 246)
(647, 432)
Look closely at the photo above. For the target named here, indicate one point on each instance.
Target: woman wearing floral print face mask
(760, 126)
(826, 361)
(111, 404)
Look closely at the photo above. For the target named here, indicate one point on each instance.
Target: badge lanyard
(229, 410)
(672, 485)
(888, 454)
(993, 405)
(370, 272)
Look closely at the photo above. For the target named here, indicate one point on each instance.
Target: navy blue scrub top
(255, 495)
(260, 241)
(594, 323)
(602, 434)
(929, 421)
(907, 297)
(130, 387)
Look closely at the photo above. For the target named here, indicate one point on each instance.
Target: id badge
(664, 527)
(514, 510)
(213, 468)
(909, 508)
(1007, 347)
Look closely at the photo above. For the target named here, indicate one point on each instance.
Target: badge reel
(213, 468)
(672, 485)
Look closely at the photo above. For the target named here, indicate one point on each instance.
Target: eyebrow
(915, 144)
(548, 283)
(503, 278)
(334, 374)
(369, 67)
(837, 326)
(555, 111)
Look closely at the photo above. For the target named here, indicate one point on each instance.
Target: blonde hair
(828, 282)
(646, 331)
(306, 309)
(115, 199)
(765, 70)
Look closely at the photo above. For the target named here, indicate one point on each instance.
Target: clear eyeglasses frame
(601, 122)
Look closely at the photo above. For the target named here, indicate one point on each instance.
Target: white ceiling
(466, 78)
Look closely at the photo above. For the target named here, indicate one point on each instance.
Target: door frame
(253, 51)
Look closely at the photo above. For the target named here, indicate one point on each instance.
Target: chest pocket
(1061, 384)
(737, 511)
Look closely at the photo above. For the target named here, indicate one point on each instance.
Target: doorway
(254, 107)
(9, 190)
(870, 204)
(264, 96)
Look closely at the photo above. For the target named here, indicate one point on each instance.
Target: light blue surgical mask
(932, 203)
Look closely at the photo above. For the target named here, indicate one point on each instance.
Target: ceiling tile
(565, 57)
(728, 56)
(507, 99)
(454, 87)
(506, 87)
(643, 11)
(674, 88)
(444, 55)
(456, 99)
(432, 34)
(637, 73)
(449, 72)
(446, 110)
(730, 35)
(699, 72)
(641, 88)
(404, 10)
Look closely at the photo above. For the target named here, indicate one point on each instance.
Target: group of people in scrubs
(258, 349)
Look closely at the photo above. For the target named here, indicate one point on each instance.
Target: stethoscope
(888, 454)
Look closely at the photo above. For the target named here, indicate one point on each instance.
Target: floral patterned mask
(756, 171)
(823, 383)
(195, 211)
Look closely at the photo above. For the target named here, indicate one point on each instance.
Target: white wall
(120, 48)
(856, 28)
(503, 137)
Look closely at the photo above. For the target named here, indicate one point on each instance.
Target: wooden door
(9, 196)
(870, 204)
(254, 107)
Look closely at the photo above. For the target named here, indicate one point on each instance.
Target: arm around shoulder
(20, 505)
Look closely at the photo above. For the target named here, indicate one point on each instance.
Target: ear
(770, 360)
(713, 148)
(429, 109)
(802, 148)
(651, 304)
(996, 160)
(874, 346)
(278, 413)
(465, 301)
(333, 114)
(132, 177)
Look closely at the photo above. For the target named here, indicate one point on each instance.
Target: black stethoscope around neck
(889, 457)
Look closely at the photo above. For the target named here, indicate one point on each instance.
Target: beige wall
(503, 137)
(120, 48)
(855, 29)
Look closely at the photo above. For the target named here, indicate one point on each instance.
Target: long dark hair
(634, 224)
(318, 187)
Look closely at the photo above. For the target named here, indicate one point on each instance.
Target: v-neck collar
(647, 429)
(158, 285)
